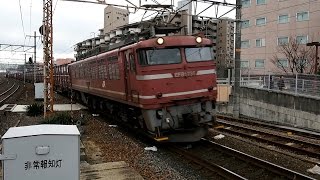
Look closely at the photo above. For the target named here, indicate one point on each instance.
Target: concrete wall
(279, 107)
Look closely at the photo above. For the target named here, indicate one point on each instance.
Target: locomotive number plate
(184, 74)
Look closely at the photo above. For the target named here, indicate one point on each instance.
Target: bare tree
(299, 57)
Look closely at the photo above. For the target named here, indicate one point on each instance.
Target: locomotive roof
(169, 41)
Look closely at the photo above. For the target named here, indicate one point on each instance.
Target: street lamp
(93, 40)
(316, 44)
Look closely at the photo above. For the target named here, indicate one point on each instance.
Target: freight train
(165, 86)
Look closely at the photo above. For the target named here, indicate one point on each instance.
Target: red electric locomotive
(165, 85)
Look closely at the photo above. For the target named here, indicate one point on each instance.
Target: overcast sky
(72, 23)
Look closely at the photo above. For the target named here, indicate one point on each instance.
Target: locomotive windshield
(160, 56)
(199, 54)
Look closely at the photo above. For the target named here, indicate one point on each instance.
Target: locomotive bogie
(180, 116)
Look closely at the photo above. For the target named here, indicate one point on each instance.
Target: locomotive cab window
(159, 56)
(132, 63)
(199, 54)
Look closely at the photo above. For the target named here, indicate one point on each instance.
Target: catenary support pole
(236, 87)
(24, 70)
(35, 57)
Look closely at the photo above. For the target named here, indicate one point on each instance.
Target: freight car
(166, 85)
(61, 79)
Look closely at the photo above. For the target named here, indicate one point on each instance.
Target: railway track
(9, 92)
(270, 126)
(280, 139)
(232, 164)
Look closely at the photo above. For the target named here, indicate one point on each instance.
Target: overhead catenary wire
(24, 33)
(30, 20)
(54, 9)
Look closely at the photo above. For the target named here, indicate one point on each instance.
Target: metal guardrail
(299, 84)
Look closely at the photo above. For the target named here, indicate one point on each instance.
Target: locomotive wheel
(92, 104)
(141, 123)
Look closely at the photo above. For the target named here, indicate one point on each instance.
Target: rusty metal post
(48, 59)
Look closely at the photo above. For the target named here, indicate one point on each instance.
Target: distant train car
(61, 78)
(29, 76)
(166, 85)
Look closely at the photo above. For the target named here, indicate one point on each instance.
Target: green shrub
(35, 109)
(58, 118)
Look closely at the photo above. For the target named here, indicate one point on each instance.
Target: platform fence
(299, 84)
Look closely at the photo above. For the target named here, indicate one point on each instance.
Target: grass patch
(59, 118)
(35, 109)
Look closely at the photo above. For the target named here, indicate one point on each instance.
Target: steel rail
(302, 144)
(206, 164)
(7, 90)
(290, 174)
(10, 94)
(268, 125)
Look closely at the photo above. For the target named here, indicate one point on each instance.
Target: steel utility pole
(47, 58)
(236, 86)
(35, 58)
(35, 53)
(24, 70)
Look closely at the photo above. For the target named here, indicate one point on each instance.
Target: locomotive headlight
(199, 39)
(160, 40)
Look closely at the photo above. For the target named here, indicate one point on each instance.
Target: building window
(260, 42)
(245, 3)
(302, 16)
(245, 44)
(259, 2)
(259, 63)
(282, 19)
(302, 39)
(283, 40)
(302, 62)
(245, 24)
(244, 64)
(261, 21)
(117, 17)
(282, 63)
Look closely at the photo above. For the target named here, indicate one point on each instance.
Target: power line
(30, 18)
(55, 7)
(24, 34)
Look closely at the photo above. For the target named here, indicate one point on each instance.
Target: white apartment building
(115, 17)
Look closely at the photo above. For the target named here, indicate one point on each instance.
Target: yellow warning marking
(219, 127)
(161, 139)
